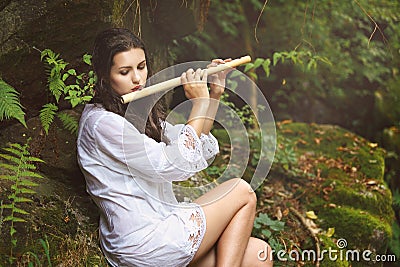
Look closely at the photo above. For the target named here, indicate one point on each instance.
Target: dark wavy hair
(151, 114)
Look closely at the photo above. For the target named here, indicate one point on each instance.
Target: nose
(135, 77)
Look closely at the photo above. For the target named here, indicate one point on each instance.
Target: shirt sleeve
(143, 156)
(209, 143)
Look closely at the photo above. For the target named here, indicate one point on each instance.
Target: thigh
(220, 205)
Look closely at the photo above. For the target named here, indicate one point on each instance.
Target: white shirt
(129, 177)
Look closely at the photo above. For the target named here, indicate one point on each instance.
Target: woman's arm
(195, 86)
(217, 88)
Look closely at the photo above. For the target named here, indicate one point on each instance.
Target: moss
(343, 178)
(326, 245)
(376, 201)
(361, 229)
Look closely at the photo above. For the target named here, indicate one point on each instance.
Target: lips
(136, 88)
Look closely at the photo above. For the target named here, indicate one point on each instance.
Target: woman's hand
(217, 80)
(195, 84)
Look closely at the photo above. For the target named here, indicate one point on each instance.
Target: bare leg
(229, 209)
(252, 256)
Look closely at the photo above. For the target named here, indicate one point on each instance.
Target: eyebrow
(129, 67)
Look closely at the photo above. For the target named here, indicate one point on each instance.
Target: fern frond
(34, 159)
(7, 177)
(10, 107)
(22, 200)
(10, 158)
(28, 183)
(16, 152)
(47, 114)
(6, 206)
(26, 191)
(21, 172)
(20, 211)
(13, 219)
(56, 85)
(7, 166)
(30, 174)
(70, 122)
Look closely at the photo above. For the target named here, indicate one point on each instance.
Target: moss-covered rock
(340, 176)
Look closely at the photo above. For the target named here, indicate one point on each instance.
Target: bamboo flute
(168, 84)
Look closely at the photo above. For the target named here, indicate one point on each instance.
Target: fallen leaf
(330, 232)
(371, 182)
(285, 212)
(373, 145)
(278, 213)
(311, 214)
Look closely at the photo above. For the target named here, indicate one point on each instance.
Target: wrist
(215, 95)
(200, 103)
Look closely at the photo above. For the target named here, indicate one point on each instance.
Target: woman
(129, 167)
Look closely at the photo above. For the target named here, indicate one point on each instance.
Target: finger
(204, 75)
(218, 61)
(197, 75)
(190, 75)
(183, 78)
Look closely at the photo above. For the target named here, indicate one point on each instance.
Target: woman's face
(129, 71)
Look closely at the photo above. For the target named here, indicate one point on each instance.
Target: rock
(66, 27)
(340, 177)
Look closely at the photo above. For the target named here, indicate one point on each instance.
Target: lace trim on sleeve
(190, 148)
(210, 145)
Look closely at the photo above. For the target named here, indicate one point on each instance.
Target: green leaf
(28, 183)
(30, 174)
(6, 206)
(20, 211)
(72, 72)
(13, 219)
(70, 123)
(266, 65)
(22, 200)
(46, 115)
(26, 191)
(10, 158)
(258, 62)
(10, 106)
(56, 86)
(16, 152)
(34, 159)
(267, 233)
(87, 59)
(248, 67)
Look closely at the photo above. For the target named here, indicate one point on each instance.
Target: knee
(258, 253)
(246, 191)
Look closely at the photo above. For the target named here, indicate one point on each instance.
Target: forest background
(324, 62)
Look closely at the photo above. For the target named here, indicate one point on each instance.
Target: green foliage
(46, 248)
(55, 66)
(269, 229)
(10, 107)
(263, 220)
(70, 123)
(47, 114)
(20, 172)
(75, 88)
(286, 158)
